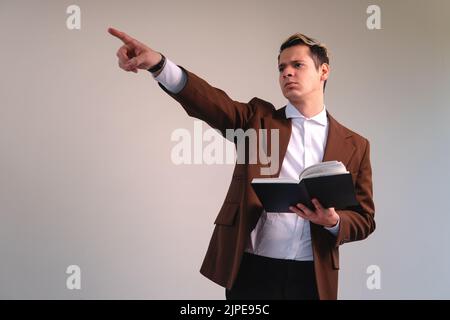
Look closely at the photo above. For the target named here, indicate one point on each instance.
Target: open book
(329, 182)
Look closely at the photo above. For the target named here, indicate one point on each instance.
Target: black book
(329, 182)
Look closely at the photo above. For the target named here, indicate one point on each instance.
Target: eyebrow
(292, 61)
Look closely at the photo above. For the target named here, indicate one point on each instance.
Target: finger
(122, 54)
(317, 204)
(121, 35)
(299, 213)
(299, 208)
(123, 66)
(305, 209)
(295, 209)
(304, 216)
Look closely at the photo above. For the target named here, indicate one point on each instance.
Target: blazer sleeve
(212, 105)
(357, 225)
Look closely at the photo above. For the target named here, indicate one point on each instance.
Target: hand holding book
(321, 216)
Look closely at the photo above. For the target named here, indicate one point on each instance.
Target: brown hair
(319, 52)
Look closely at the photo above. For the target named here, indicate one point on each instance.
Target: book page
(327, 168)
(275, 180)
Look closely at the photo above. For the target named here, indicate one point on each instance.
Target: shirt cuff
(335, 229)
(172, 77)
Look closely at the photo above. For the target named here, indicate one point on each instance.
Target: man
(274, 255)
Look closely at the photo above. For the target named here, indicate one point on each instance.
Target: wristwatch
(159, 65)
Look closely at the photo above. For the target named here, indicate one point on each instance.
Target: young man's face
(299, 77)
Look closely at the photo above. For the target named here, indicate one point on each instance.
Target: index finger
(121, 35)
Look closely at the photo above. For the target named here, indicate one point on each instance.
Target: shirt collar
(292, 112)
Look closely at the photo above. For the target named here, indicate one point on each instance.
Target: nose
(287, 72)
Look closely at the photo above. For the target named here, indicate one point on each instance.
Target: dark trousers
(263, 278)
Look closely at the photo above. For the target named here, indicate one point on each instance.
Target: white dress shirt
(281, 235)
(285, 235)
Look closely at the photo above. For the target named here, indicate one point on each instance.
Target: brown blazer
(241, 208)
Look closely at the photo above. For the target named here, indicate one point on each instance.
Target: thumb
(135, 62)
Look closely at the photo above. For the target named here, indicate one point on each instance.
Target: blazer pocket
(335, 258)
(227, 214)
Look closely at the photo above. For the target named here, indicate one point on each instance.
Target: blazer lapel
(338, 146)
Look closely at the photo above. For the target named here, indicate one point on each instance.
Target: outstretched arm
(197, 97)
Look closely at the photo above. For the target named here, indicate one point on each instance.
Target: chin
(293, 96)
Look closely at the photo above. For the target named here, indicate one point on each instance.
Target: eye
(280, 69)
(298, 65)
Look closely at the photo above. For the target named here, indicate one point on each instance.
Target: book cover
(329, 182)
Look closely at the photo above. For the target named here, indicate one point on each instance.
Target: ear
(324, 71)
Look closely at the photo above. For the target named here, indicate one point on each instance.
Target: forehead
(298, 52)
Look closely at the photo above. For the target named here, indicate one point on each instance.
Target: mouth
(289, 84)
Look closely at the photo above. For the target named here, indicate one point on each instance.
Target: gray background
(86, 176)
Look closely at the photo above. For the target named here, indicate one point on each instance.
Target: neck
(310, 107)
